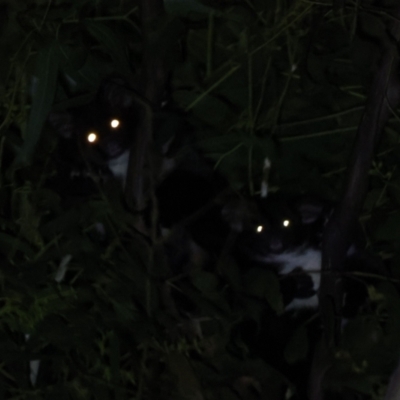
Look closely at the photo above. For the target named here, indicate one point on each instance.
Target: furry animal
(101, 132)
(285, 235)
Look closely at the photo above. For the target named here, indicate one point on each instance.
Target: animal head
(101, 131)
(276, 224)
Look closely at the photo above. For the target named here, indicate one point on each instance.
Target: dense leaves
(250, 79)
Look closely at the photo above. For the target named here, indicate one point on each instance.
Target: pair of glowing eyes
(285, 224)
(92, 137)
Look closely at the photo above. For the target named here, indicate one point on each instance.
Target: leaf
(115, 359)
(46, 73)
(205, 281)
(389, 229)
(10, 244)
(185, 377)
(264, 284)
(297, 347)
(114, 45)
(184, 7)
(210, 109)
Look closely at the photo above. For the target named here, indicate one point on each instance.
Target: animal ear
(310, 210)
(239, 214)
(62, 122)
(116, 92)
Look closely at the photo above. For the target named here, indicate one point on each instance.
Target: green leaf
(114, 45)
(46, 73)
(11, 244)
(297, 348)
(389, 230)
(264, 284)
(115, 359)
(205, 281)
(184, 7)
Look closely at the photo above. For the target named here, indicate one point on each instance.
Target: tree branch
(384, 96)
(151, 87)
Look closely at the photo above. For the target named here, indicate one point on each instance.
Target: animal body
(284, 234)
(94, 142)
(95, 139)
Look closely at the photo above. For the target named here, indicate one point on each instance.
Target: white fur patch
(309, 260)
(119, 166)
(296, 304)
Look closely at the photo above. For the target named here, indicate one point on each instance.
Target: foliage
(283, 79)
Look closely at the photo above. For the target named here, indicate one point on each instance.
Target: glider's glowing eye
(259, 228)
(286, 223)
(114, 123)
(92, 137)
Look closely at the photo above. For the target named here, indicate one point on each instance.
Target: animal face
(101, 132)
(276, 225)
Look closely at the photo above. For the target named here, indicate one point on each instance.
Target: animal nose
(275, 244)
